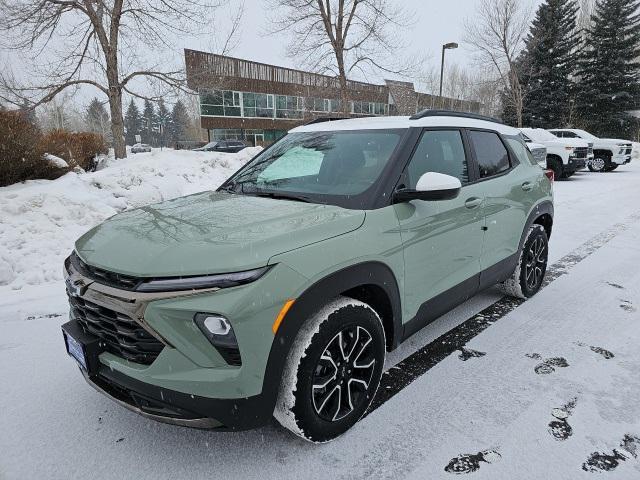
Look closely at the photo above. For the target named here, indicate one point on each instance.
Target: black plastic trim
(234, 413)
(452, 113)
(314, 298)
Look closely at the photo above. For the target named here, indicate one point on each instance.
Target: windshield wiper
(282, 196)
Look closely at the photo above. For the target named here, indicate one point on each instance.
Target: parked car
(609, 153)
(140, 148)
(280, 293)
(564, 156)
(539, 153)
(229, 146)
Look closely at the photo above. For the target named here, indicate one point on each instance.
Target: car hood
(612, 141)
(567, 142)
(210, 232)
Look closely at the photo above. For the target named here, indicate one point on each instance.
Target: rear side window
(440, 151)
(522, 153)
(491, 154)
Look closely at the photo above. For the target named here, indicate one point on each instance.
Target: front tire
(599, 163)
(555, 165)
(529, 274)
(332, 372)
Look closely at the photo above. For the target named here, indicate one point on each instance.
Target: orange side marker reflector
(283, 311)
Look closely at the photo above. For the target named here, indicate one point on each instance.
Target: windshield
(586, 135)
(539, 135)
(318, 166)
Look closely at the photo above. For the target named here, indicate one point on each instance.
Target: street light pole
(447, 46)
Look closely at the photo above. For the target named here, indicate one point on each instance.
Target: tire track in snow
(417, 364)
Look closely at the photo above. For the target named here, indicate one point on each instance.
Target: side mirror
(430, 186)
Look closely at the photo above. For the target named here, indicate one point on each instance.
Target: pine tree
(149, 123)
(609, 70)
(179, 121)
(548, 63)
(132, 123)
(97, 119)
(164, 121)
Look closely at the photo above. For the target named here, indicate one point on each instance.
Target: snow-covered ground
(40, 220)
(555, 391)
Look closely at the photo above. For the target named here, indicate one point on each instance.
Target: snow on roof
(380, 123)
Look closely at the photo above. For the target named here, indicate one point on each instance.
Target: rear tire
(332, 372)
(528, 276)
(555, 165)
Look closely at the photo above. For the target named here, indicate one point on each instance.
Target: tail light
(550, 175)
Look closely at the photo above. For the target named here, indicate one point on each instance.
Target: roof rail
(451, 113)
(326, 119)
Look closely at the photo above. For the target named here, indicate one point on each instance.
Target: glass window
(522, 153)
(491, 153)
(319, 163)
(440, 151)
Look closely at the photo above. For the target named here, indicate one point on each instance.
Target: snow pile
(41, 219)
(55, 161)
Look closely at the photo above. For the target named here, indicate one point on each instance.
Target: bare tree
(340, 37)
(497, 32)
(95, 42)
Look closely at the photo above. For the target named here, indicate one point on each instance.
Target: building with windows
(259, 103)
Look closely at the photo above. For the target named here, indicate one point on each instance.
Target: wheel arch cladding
(370, 282)
(541, 214)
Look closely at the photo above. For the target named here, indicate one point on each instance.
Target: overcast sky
(435, 22)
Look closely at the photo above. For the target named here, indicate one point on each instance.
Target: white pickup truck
(564, 156)
(609, 153)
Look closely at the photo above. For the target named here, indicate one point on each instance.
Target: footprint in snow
(535, 356)
(604, 462)
(560, 428)
(615, 285)
(549, 365)
(599, 350)
(470, 462)
(467, 353)
(627, 306)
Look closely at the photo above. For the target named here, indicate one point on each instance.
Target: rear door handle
(526, 186)
(473, 202)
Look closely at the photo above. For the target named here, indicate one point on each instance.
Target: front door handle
(526, 186)
(473, 202)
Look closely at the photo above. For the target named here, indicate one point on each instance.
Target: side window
(560, 134)
(519, 148)
(570, 135)
(491, 153)
(440, 151)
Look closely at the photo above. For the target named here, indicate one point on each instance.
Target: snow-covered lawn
(556, 390)
(40, 220)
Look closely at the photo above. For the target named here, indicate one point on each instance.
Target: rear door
(442, 240)
(508, 185)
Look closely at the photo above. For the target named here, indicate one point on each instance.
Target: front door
(442, 240)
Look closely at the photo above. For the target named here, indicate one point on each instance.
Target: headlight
(622, 149)
(223, 280)
(570, 149)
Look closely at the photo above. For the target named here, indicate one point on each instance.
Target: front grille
(119, 334)
(580, 152)
(628, 150)
(111, 279)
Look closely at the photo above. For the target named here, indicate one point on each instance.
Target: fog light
(219, 332)
(217, 325)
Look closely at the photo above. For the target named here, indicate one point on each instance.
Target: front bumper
(575, 164)
(189, 383)
(621, 159)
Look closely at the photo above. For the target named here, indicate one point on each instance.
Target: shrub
(77, 149)
(20, 152)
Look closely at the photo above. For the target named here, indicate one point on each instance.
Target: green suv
(279, 293)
